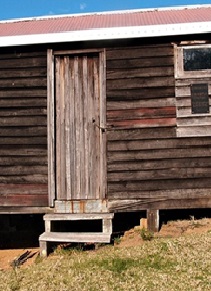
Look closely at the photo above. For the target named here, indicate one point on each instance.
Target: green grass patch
(161, 264)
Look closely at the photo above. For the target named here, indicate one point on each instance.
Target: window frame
(179, 64)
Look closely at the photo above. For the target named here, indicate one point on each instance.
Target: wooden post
(43, 248)
(107, 226)
(48, 226)
(153, 220)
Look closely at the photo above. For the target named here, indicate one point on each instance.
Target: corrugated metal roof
(109, 25)
(106, 20)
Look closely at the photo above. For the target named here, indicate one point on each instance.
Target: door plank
(78, 146)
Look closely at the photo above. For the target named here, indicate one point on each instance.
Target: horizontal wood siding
(146, 159)
(23, 128)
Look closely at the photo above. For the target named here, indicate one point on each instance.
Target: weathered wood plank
(151, 112)
(23, 200)
(96, 180)
(159, 154)
(22, 170)
(153, 220)
(139, 73)
(161, 174)
(140, 52)
(23, 140)
(188, 81)
(120, 105)
(183, 102)
(19, 161)
(86, 124)
(23, 62)
(25, 82)
(78, 216)
(94, 120)
(137, 94)
(20, 53)
(68, 126)
(134, 83)
(81, 206)
(194, 121)
(23, 102)
(147, 45)
(72, 130)
(24, 151)
(161, 195)
(137, 205)
(157, 164)
(24, 131)
(186, 112)
(23, 121)
(23, 93)
(26, 73)
(193, 131)
(58, 90)
(141, 134)
(78, 83)
(10, 112)
(26, 189)
(36, 178)
(183, 111)
(133, 186)
(51, 128)
(24, 210)
(102, 133)
(182, 91)
(129, 145)
(148, 122)
(75, 237)
(140, 63)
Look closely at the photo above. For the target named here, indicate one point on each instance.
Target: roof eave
(110, 33)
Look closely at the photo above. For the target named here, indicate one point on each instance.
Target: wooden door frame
(51, 120)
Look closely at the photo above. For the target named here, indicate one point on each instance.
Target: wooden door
(80, 145)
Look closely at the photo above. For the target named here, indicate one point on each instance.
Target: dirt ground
(131, 237)
(172, 229)
(7, 257)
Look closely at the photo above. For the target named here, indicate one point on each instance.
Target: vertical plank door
(79, 141)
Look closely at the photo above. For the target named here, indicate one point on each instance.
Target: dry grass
(161, 264)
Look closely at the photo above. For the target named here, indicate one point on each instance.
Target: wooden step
(105, 217)
(83, 237)
(77, 237)
(78, 216)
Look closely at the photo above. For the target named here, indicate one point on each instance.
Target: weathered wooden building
(104, 113)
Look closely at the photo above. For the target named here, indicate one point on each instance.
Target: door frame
(51, 119)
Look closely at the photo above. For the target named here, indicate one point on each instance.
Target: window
(193, 61)
(196, 59)
(193, 90)
(199, 98)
